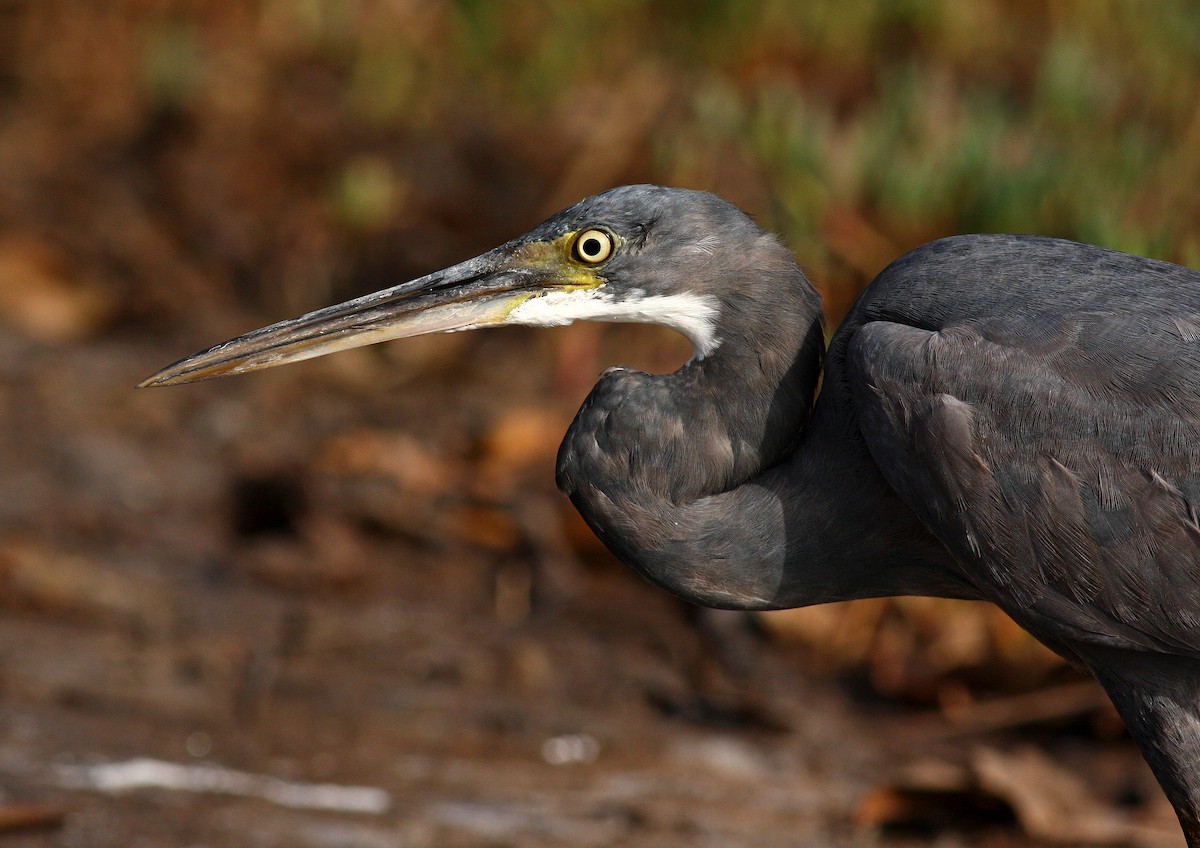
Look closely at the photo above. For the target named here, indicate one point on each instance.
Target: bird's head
(642, 254)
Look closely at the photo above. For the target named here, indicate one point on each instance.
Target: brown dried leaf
(932, 794)
(839, 634)
(38, 577)
(912, 646)
(19, 817)
(1054, 703)
(1053, 803)
(484, 527)
(406, 462)
(328, 557)
(519, 439)
(41, 296)
(1049, 802)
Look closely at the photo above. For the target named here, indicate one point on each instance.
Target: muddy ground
(357, 572)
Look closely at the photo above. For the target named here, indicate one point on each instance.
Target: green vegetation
(923, 117)
(856, 128)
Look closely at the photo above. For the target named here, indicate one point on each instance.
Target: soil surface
(351, 584)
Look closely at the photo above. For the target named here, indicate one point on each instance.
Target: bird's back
(1037, 403)
(1024, 282)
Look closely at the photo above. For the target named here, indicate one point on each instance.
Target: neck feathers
(646, 449)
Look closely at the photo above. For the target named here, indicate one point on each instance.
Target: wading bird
(1008, 418)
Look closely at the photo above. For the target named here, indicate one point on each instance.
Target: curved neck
(723, 484)
(717, 421)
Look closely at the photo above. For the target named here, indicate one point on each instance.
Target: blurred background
(356, 571)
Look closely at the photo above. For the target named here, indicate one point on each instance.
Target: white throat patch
(693, 315)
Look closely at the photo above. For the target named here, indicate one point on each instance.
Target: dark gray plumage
(1007, 418)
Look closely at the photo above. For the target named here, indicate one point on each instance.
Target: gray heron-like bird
(1008, 418)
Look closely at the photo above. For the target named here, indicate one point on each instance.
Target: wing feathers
(1063, 477)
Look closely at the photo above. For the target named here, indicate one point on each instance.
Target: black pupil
(591, 247)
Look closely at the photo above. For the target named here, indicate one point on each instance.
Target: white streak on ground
(145, 773)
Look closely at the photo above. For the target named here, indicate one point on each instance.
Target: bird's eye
(593, 246)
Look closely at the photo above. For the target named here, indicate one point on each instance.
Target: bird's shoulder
(969, 277)
(1055, 448)
(1029, 322)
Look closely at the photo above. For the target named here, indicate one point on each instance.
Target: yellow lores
(486, 291)
(571, 258)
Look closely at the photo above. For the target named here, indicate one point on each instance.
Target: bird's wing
(1057, 458)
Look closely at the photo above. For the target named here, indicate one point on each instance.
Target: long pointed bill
(478, 292)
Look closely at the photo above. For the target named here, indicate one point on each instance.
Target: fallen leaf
(19, 817)
(36, 576)
(43, 297)
(484, 527)
(1049, 802)
(406, 462)
(932, 795)
(1053, 803)
(520, 438)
